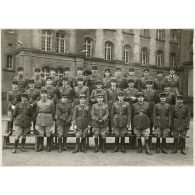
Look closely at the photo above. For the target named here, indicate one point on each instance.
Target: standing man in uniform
(143, 79)
(81, 123)
(55, 79)
(99, 115)
(141, 121)
(131, 76)
(22, 115)
(80, 89)
(34, 96)
(121, 120)
(121, 81)
(13, 97)
(38, 80)
(71, 80)
(79, 75)
(174, 82)
(162, 122)
(21, 79)
(181, 122)
(170, 96)
(64, 117)
(45, 111)
(159, 83)
(112, 96)
(107, 78)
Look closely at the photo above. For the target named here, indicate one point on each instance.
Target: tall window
(10, 62)
(128, 31)
(173, 34)
(46, 40)
(59, 72)
(45, 71)
(173, 59)
(88, 47)
(108, 50)
(144, 56)
(159, 58)
(126, 53)
(60, 42)
(145, 33)
(160, 34)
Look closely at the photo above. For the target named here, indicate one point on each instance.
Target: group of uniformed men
(99, 105)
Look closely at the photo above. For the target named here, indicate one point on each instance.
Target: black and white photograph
(97, 97)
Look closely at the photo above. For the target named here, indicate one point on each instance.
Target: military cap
(146, 70)
(43, 89)
(131, 81)
(20, 69)
(159, 72)
(24, 95)
(180, 97)
(100, 95)
(82, 96)
(31, 81)
(14, 82)
(149, 82)
(140, 94)
(166, 85)
(99, 82)
(64, 95)
(37, 70)
(67, 68)
(48, 77)
(113, 80)
(64, 78)
(131, 69)
(118, 68)
(107, 70)
(172, 68)
(79, 68)
(121, 93)
(52, 68)
(80, 79)
(162, 94)
(94, 67)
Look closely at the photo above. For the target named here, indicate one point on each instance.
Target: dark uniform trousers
(99, 115)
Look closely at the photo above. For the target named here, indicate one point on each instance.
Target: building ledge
(160, 40)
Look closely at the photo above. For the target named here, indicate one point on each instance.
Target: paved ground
(130, 158)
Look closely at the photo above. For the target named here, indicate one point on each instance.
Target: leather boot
(49, 144)
(64, 144)
(103, 145)
(157, 145)
(183, 146)
(123, 144)
(23, 144)
(100, 142)
(179, 143)
(40, 148)
(147, 151)
(59, 144)
(96, 144)
(38, 144)
(83, 141)
(116, 144)
(163, 146)
(139, 143)
(15, 146)
(77, 145)
(10, 127)
(175, 146)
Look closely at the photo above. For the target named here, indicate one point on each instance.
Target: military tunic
(22, 82)
(121, 82)
(107, 82)
(136, 81)
(68, 90)
(142, 82)
(91, 81)
(39, 82)
(130, 95)
(94, 94)
(52, 93)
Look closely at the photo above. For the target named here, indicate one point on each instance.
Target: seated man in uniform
(38, 80)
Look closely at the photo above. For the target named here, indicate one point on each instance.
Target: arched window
(144, 56)
(108, 50)
(172, 59)
(126, 53)
(45, 71)
(159, 58)
(46, 40)
(160, 34)
(59, 72)
(173, 35)
(88, 47)
(60, 42)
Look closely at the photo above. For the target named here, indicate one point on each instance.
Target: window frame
(45, 38)
(60, 47)
(45, 71)
(12, 62)
(126, 49)
(88, 47)
(173, 54)
(108, 50)
(159, 58)
(145, 33)
(160, 34)
(147, 55)
(173, 39)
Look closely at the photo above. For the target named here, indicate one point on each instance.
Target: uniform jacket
(99, 112)
(162, 115)
(80, 90)
(136, 81)
(39, 82)
(64, 114)
(130, 92)
(150, 95)
(91, 81)
(84, 80)
(107, 82)
(112, 96)
(45, 112)
(121, 82)
(22, 82)
(159, 84)
(52, 93)
(181, 117)
(94, 94)
(55, 81)
(13, 97)
(68, 90)
(121, 115)
(33, 95)
(141, 115)
(23, 114)
(174, 82)
(81, 116)
(142, 82)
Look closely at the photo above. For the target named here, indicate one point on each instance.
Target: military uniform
(158, 84)
(121, 82)
(22, 83)
(64, 117)
(142, 82)
(99, 115)
(94, 94)
(52, 93)
(67, 90)
(78, 91)
(38, 80)
(132, 77)
(91, 81)
(130, 95)
(107, 82)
